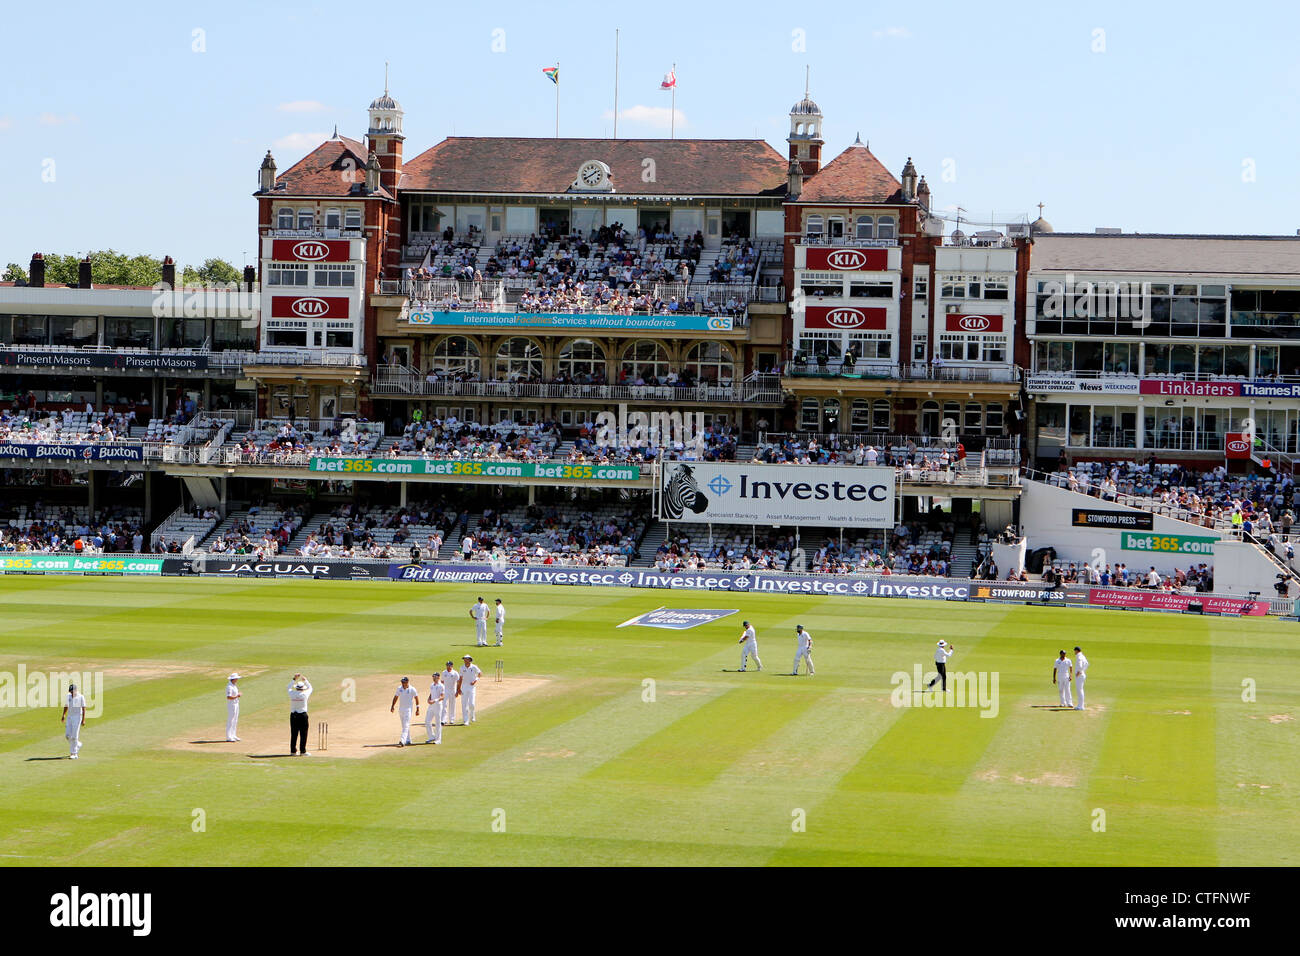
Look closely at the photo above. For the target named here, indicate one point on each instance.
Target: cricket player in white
(803, 650)
(433, 715)
(1061, 669)
(942, 651)
(407, 696)
(479, 612)
(469, 675)
(73, 716)
(749, 646)
(450, 682)
(232, 707)
(1080, 675)
(501, 622)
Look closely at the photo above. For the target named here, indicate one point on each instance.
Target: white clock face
(592, 174)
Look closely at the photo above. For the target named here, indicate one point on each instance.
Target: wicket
(323, 736)
(501, 669)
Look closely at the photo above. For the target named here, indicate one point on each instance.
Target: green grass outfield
(713, 771)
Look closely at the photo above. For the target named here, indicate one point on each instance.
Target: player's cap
(1078, 648)
(449, 663)
(468, 657)
(234, 676)
(943, 643)
(71, 688)
(406, 680)
(300, 686)
(498, 600)
(745, 623)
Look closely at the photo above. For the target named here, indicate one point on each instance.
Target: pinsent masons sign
(127, 361)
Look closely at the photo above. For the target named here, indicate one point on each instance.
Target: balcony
(757, 390)
(314, 233)
(845, 242)
(914, 371)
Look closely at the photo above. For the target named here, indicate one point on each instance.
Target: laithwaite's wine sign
(729, 493)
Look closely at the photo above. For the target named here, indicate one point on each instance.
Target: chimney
(36, 274)
(83, 274)
(169, 272)
(250, 277)
(795, 186)
(923, 195)
(266, 175)
(909, 181)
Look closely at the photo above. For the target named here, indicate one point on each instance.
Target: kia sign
(1236, 445)
(824, 495)
(309, 307)
(848, 260)
(973, 323)
(311, 250)
(845, 317)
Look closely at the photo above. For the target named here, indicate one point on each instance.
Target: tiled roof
(855, 175)
(332, 169)
(678, 167)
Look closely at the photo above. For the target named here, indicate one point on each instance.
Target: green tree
(212, 272)
(14, 273)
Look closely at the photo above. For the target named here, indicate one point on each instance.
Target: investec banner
(475, 469)
(561, 320)
(73, 452)
(729, 493)
(74, 564)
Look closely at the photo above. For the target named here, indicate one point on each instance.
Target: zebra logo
(681, 492)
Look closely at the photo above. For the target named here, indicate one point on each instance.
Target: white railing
(767, 391)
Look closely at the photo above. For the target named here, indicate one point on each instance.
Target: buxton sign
(59, 451)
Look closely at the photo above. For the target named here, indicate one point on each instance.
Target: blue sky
(131, 130)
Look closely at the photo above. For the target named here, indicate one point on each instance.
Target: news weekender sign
(404, 467)
(845, 496)
(671, 322)
(71, 452)
(1112, 520)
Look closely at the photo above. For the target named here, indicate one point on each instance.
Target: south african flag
(554, 73)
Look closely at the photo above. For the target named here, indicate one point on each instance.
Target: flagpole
(557, 99)
(672, 119)
(616, 84)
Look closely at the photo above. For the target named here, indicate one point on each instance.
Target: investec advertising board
(729, 493)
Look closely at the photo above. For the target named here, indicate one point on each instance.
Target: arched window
(866, 227)
(352, 219)
(518, 358)
(814, 226)
(646, 359)
(284, 219)
(831, 414)
(455, 354)
(974, 417)
(860, 416)
(582, 359)
(993, 417)
(710, 362)
(886, 227)
(930, 419)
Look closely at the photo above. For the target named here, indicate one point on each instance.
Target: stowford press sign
(403, 467)
(1167, 543)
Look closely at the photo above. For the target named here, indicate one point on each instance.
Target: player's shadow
(394, 746)
(221, 741)
(271, 756)
(64, 757)
(1050, 707)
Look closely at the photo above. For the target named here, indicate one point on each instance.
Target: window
(74, 330)
(974, 417)
(996, 287)
(814, 226)
(352, 219)
(336, 276)
(519, 358)
(993, 418)
(457, 355)
(286, 337)
(333, 219)
(972, 348)
(710, 362)
(306, 219)
(645, 359)
(831, 414)
(31, 329)
(821, 288)
(338, 339)
(885, 227)
(284, 219)
(860, 415)
(835, 227)
(920, 287)
(810, 415)
(286, 274)
(880, 415)
(1119, 358)
(871, 345)
(919, 341)
(866, 227)
(232, 334)
(815, 345)
(582, 359)
(129, 333)
(1055, 356)
(871, 290)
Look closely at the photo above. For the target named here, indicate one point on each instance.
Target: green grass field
(582, 770)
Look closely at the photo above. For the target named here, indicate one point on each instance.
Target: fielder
(1061, 672)
(942, 651)
(501, 622)
(469, 675)
(407, 696)
(451, 687)
(803, 650)
(479, 612)
(73, 716)
(433, 715)
(1080, 675)
(749, 646)
(232, 707)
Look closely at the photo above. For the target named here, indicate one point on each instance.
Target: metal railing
(846, 242)
(920, 371)
(764, 392)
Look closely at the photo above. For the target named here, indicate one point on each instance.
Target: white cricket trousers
(1079, 679)
(406, 725)
(747, 650)
(804, 655)
(232, 719)
(433, 722)
(467, 704)
(500, 633)
(73, 733)
(1066, 699)
(450, 716)
(480, 633)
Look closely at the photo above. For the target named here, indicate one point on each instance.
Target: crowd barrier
(748, 582)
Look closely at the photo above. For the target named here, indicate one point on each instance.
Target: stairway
(655, 534)
(965, 553)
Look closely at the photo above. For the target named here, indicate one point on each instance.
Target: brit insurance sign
(730, 493)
